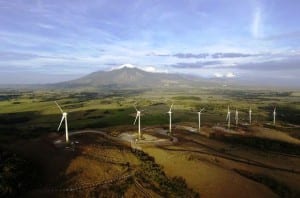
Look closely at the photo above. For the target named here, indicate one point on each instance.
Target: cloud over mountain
(217, 55)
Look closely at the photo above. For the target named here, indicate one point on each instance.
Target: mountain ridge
(132, 78)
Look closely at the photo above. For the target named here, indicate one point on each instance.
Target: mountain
(132, 78)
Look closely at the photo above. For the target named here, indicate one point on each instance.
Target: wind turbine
(199, 118)
(64, 117)
(274, 116)
(138, 116)
(236, 117)
(228, 117)
(250, 114)
(170, 116)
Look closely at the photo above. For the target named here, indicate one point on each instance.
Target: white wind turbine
(199, 118)
(64, 117)
(236, 117)
(274, 116)
(228, 117)
(170, 116)
(138, 116)
(250, 116)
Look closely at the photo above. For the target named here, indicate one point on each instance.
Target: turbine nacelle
(201, 110)
(170, 111)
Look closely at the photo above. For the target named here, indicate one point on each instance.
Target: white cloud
(150, 69)
(45, 26)
(256, 27)
(218, 75)
(126, 65)
(230, 75)
(227, 75)
(145, 68)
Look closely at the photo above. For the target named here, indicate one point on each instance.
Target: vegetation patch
(261, 143)
(151, 172)
(277, 187)
(16, 175)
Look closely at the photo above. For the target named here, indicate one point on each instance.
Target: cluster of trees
(16, 175)
(153, 174)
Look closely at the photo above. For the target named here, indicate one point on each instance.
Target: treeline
(152, 174)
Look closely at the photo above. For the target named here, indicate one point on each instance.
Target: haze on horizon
(51, 41)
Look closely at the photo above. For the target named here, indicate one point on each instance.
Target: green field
(30, 113)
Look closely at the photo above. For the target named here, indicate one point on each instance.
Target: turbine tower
(274, 116)
(250, 114)
(170, 116)
(199, 118)
(64, 117)
(228, 117)
(138, 116)
(236, 117)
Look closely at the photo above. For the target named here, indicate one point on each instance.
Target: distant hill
(130, 77)
(133, 78)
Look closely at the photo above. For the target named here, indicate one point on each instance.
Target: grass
(32, 111)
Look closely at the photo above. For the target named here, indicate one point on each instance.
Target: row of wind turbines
(236, 117)
(138, 118)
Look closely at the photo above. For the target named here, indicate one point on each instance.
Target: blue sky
(45, 41)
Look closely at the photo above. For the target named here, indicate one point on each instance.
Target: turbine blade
(202, 110)
(62, 119)
(59, 107)
(135, 107)
(135, 119)
(227, 116)
(171, 108)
